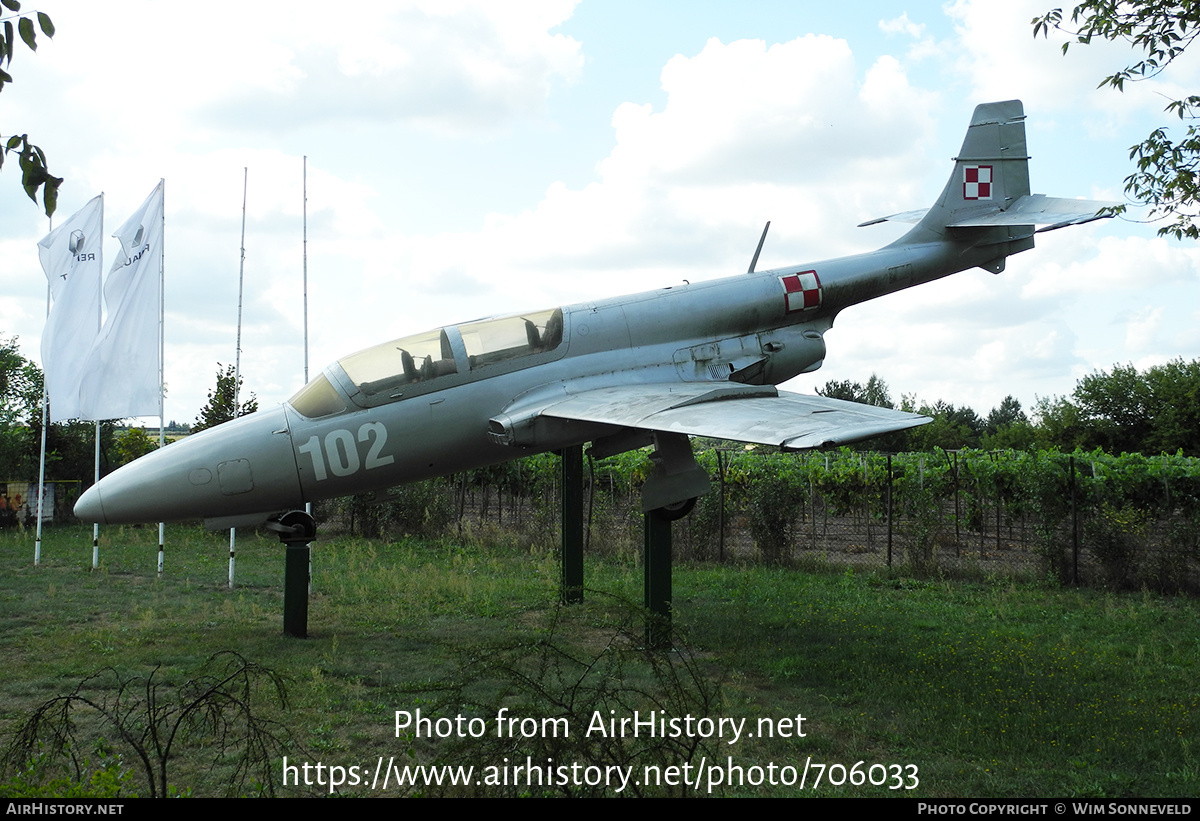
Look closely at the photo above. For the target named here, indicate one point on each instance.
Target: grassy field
(955, 689)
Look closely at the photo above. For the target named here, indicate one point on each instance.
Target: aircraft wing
(743, 413)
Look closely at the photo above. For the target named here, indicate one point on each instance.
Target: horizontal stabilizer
(741, 413)
(911, 217)
(1037, 209)
(1032, 209)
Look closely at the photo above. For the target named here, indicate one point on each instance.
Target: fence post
(721, 509)
(889, 509)
(1074, 528)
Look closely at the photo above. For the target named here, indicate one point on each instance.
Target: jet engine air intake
(792, 351)
(756, 359)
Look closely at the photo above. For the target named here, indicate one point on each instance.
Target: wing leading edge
(742, 413)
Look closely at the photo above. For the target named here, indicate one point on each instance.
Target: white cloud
(1113, 265)
(1142, 328)
(450, 66)
(902, 25)
(1000, 59)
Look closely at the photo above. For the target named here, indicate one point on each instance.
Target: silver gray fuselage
(278, 459)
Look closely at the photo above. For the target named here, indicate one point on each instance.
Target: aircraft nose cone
(243, 467)
(90, 508)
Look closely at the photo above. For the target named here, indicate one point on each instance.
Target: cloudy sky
(475, 158)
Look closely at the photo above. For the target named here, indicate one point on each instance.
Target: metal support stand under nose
(296, 529)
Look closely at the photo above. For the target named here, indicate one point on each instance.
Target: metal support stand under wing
(572, 524)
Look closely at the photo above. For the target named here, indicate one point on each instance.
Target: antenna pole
(237, 361)
(305, 208)
(758, 250)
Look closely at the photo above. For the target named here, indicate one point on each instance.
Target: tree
(20, 385)
(1117, 406)
(220, 405)
(133, 443)
(34, 174)
(1153, 412)
(20, 397)
(1008, 412)
(952, 427)
(70, 446)
(1007, 427)
(875, 392)
(1175, 391)
(1059, 423)
(1168, 168)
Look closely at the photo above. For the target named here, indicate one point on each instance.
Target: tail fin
(987, 199)
(991, 171)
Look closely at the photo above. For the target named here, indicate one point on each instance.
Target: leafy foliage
(1127, 411)
(952, 428)
(875, 392)
(133, 443)
(20, 385)
(1168, 167)
(70, 446)
(418, 508)
(34, 174)
(20, 398)
(220, 405)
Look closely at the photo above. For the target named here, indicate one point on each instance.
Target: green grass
(991, 688)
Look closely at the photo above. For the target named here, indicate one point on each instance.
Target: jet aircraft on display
(698, 359)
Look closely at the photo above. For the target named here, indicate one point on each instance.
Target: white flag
(70, 256)
(122, 377)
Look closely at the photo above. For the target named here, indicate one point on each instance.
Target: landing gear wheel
(674, 512)
(295, 527)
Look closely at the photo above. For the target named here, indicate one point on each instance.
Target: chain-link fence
(1118, 522)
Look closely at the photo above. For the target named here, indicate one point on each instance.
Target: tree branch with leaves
(32, 160)
(1168, 165)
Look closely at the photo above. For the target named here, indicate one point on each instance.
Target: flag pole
(96, 525)
(237, 361)
(37, 543)
(162, 349)
(96, 468)
(307, 505)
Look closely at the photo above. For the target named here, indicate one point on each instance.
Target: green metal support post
(295, 591)
(296, 529)
(656, 564)
(572, 524)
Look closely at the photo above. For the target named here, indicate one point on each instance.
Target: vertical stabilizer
(991, 170)
(987, 203)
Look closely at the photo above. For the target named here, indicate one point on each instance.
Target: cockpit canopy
(386, 372)
(400, 362)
